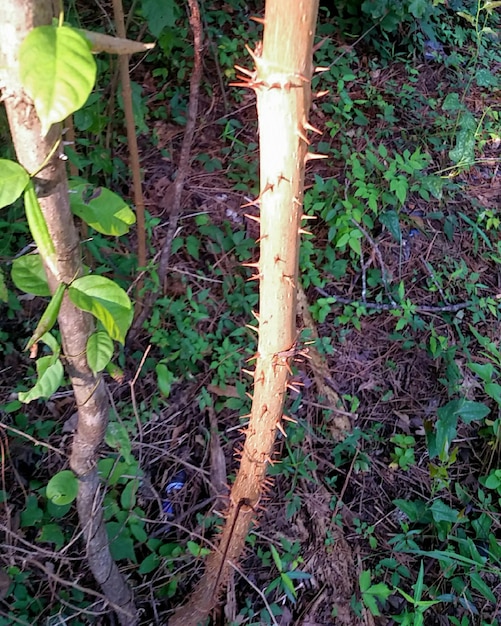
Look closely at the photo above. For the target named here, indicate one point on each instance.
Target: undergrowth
(401, 274)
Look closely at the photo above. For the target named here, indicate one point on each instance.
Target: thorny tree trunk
(17, 17)
(282, 82)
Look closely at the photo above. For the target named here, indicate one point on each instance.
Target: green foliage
(58, 71)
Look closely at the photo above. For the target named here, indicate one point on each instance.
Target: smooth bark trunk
(17, 18)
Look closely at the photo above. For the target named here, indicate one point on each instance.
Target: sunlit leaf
(14, 180)
(58, 71)
(106, 301)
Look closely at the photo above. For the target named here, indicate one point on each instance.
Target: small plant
(403, 455)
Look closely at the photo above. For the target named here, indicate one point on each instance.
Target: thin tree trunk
(281, 80)
(17, 17)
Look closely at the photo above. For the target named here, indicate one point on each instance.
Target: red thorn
(252, 358)
(300, 133)
(256, 218)
(308, 126)
(310, 156)
(259, 20)
(252, 203)
(256, 264)
(281, 429)
(245, 71)
(255, 277)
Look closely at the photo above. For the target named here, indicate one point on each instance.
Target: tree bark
(282, 82)
(17, 18)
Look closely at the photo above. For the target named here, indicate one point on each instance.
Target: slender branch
(184, 159)
(184, 164)
(376, 306)
(131, 138)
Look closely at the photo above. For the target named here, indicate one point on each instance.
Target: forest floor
(392, 358)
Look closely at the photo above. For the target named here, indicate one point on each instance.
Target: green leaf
(485, 78)
(128, 495)
(480, 585)
(121, 543)
(39, 230)
(99, 351)
(117, 437)
(28, 275)
(52, 533)
(196, 549)
(106, 301)
(464, 151)
(14, 180)
(57, 70)
(4, 294)
(50, 376)
(443, 513)
(391, 220)
(470, 411)
(164, 379)
(399, 186)
(101, 209)
(452, 102)
(62, 488)
(494, 391)
(484, 370)
(149, 564)
(160, 14)
(49, 316)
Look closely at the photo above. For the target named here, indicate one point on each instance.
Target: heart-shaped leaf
(57, 70)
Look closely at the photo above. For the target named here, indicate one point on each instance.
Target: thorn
(256, 315)
(302, 231)
(296, 201)
(321, 94)
(281, 177)
(319, 44)
(300, 133)
(259, 20)
(277, 259)
(289, 280)
(303, 78)
(255, 277)
(249, 372)
(251, 203)
(245, 417)
(242, 431)
(252, 358)
(308, 217)
(249, 395)
(321, 69)
(256, 218)
(267, 459)
(281, 429)
(254, 328)
(287, 418)
(250, 73)
(268, 187)
(308, 126)
(292, 388)
(253, 54)
(311, 156)
(256, 264)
